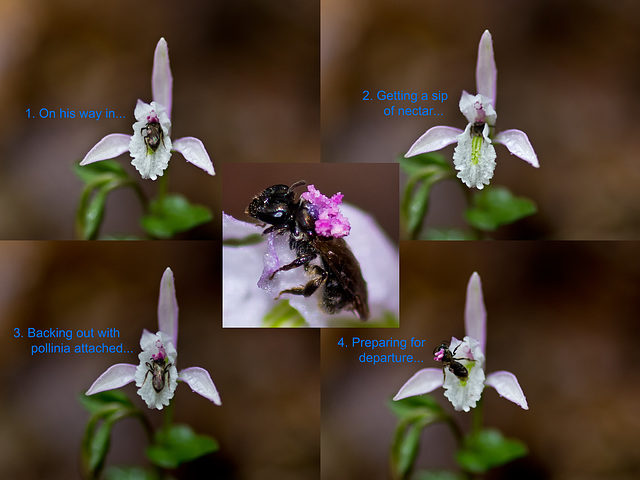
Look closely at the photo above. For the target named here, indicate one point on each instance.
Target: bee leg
(298, 262)
(311, 287)
(146, 375)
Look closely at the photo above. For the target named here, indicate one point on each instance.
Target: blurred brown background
(561, 316)
(269, 380)
(568, 76)
(246, 82)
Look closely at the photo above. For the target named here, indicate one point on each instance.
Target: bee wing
(339, 258)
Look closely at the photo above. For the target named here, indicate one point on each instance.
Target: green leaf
(99, 171)
(106, 408)
(97, 437)
(414, 165)
(97, 447)
(100, 179)
(449, 234)
(488, 449)
(416, 406)
(425, 171)
(131, 473)
(179, 444)
(252, 239)
(404, 448)
(438, 475)
(496, 206)
(284, 315)
(173, 214)
(111, 399)
(415, 413)
(91, 215)
(415, 204)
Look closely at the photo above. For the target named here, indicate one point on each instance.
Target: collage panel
(310, 244)
(245, 87)
(401, 82)
(123, 321)
(547, 328)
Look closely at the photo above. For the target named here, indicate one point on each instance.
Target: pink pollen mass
(161, 355)
(329, 220)
(439, 356)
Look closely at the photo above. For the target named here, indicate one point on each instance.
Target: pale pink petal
(519, 145)
(116, 376)
(486, 71)
(168, 307)
(200, 382)
(434, 139)
(507, 386)
(424, 381)
(110, 146)
(475, 313)
(194, 152)
(161, 78)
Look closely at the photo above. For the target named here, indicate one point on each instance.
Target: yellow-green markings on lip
(476, 143)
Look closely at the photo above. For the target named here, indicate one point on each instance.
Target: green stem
(455, 428)
(476, 421)
(168, 416)
(469, 197)
(148, 428)
(162, 186)
(141, 196)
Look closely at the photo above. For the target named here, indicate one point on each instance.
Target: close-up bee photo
(316, 259)
(339, 277)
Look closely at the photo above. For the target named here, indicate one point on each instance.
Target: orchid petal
(424, 381)
(519, 145)
(200, 382)
(475, 313)
(232, 228)
(161, 78)
(168, 307)
(477, 108)
(194, 152)
(486, 71)
(115, 376)
(434, 139)
(110, 146)
(147, 339)
(507, 386)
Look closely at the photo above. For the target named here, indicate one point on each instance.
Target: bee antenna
(299, 183)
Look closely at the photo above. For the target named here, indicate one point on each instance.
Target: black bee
(477, 128)
(158, 370)
(449, 360)
(153, 136)
(339, 275)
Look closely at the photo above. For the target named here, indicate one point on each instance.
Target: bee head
(275, 205)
